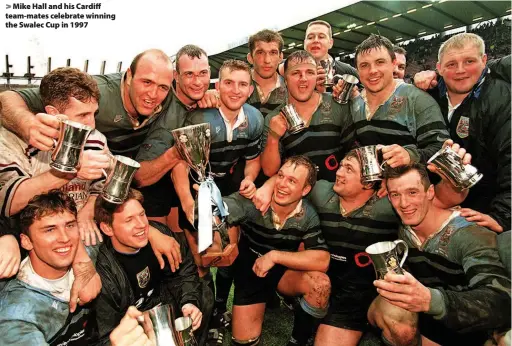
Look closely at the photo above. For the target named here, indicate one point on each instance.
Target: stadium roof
(397, 20)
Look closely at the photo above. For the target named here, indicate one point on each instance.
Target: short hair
(397, 172)
(374, 185)
(321, 22)
(459, 41)
(301, 160)
(374, 42)
(298, 56)
(104, 211)
(64, 82)
(399, 50)
(192, 51)
(158, 53)
(267, 36)
(234, 65)
(50, 203)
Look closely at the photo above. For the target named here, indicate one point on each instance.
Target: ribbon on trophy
(193, 144)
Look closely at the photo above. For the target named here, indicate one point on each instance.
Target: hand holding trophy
(193, 144)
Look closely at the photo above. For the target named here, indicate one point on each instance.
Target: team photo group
(156, 207)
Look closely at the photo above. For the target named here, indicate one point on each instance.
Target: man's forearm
(252, 169)
(447, 195)
(181, 182)
(152, 171)
(270, 158)
(35, 186)
(15, 115)
(310, 260)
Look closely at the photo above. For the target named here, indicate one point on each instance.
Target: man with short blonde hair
(460, 41)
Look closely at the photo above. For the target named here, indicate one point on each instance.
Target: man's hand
(195, 314)
(404, 291)
(425, 80)
(383, 191)
(395, 155)
(164, 245)
(129, 332)
(481, 219)
(188, 206)
(262, 198)
(92, 164)
(278, 126)
(87, 227)
(210, 99)
(87, 284)
(9, 256)
(263, 264)
(247, 188)
(43, 129)
(336, 90)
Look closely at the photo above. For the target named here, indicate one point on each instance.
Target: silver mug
(371, 169)
(329, 72)
(158, 324)
(385, 257)
(295, 122)
(184, 329)
(349, 82)
(450, 164)
(68, 149)
(119, 179)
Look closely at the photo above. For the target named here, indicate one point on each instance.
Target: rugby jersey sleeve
(13, 172)
(253, 150)
(239, 208)
(265, 132)
(32, 98)
(313, 238)
(431, 130)
(158, 140)
(486, 304)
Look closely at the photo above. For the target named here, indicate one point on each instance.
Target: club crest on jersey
(118, 118)
(463, 127)
(143, 277)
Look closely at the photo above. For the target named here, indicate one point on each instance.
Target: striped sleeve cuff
(437, 305)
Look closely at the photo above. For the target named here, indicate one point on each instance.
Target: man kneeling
(456, 290)
(268, 256)
(131, 274)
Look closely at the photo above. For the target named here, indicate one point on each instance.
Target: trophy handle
(406, 250)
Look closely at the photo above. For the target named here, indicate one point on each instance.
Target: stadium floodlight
(371, 23)
(422, 33)
(358, 27)
(347, 30)
(448, 26)
(479, 18)
(411, 11)
(336, 33)
(426, 6)
(397, 15)
(383, 19)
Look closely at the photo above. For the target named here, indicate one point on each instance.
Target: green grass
(277, 326)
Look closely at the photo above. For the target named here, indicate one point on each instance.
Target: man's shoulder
(322, 193)
(275, 112)
(310, 213)
(497, 90)
(112, 80)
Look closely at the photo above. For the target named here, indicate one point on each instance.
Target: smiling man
(407, 121)
(456, 290)
(328, 131)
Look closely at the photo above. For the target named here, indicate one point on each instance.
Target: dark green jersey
(276, 97)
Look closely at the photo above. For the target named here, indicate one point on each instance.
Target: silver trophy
(69, 147)
(293, 119)
(450, 164)
(329, 72)
(119, 179)
(371, 169)
(158, 324)
(184, 328)
(385, 257)
(193, 144)
(349, 82)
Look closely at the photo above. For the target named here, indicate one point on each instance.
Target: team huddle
(76, 269)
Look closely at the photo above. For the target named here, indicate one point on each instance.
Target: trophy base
(220, 259)
(112, 199)
(371, 178)
(472, 181)
(62, 168)
(296, 129)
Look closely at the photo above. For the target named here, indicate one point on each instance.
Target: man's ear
(25, 242)
(249, 58)
(217, 86)
(431, 192)
(306, 190)
(51, 110)
(438, 67)
(129, 76)
(251, 90)
(107, 229)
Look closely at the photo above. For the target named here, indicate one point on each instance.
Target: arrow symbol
(8, 6)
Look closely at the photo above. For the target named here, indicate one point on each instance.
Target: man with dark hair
(129, 103)
(405, 120)
(476, 106)
(265, 54)
(401, 62)
(324, 118)
(131, 274)
(455, 290)
(268, 257)
(34, 306)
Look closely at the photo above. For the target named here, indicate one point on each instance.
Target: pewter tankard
(66, 155)
(158, 324)
(450, 164)
(119, 179)
(295, 122)
(349, 82)
(371, 169)
(385, 258)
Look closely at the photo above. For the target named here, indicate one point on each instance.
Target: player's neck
(127, 102)
(432, 222)
(265, 83)
(230, 115)
(378, 98)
